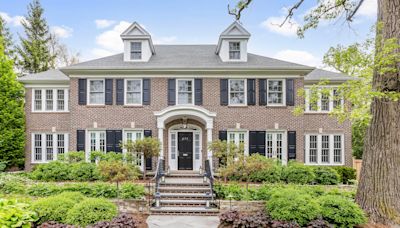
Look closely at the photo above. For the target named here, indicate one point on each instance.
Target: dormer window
(234, 50)
(136, 50)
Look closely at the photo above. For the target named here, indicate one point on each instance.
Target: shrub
(299, 174)
(123, 220)
(73, 157)
(284, 224)
(53, 208)
(74, 196)
(3, 165)
(109, 156)
(272, 174)
(252, 220)
(91, 211)
(318, 223)
(326, 175)
(13, 186)
(131, 191)
(341, 211)
(105, 190)
(292, 205)
(346, 174)
(117, 171)
(43, 189)
(52, 224)
(52, 171)
(229, 217)
(16, 214)
(83, 171)
(230, 191)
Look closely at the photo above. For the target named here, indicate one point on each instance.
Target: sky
(92, 27)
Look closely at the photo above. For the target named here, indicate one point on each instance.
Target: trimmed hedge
(61, 171)
(53, 208)
(297, 173)
(326, 175)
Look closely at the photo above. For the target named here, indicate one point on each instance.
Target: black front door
(185, 151)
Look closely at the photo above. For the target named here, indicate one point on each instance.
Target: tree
(12, 123)
(7, 40)
(378, 192)
(117, 171)
(34, 53)
(63, 56)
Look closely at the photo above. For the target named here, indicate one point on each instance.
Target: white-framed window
(239, 137)
(50, 100)
(234, 50)
(133, 91)
(96, 91)
(197, 146)
(275, 145)
(132, 136)
(47, 146)
(327, 99)
(324, 149)
(276, 92)
(184, 91)
(97, 141)
(237, 92)
(136, 50)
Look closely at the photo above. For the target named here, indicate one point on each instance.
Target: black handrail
(158, 175)
(209, 175)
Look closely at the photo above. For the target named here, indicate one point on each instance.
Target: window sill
(276, 106)
(133, 106)
(238, 106)
(95, 106)
(49, 112)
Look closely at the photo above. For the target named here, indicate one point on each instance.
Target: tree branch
(291, 12)
(350, 17)
(237, 11)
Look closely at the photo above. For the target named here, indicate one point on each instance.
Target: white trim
(61, 86)
(245, 92)
(177, 90)
(319, 149)
(274, 134)
(319, 102)
(283, 92)
(124, 139)
(44, 146)
(43, 100)
(236, 133)
(126, 91)
(141, 51)
(97, 142)
(194, 75)
(88, 90)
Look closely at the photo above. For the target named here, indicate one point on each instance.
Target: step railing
(208, 174)
(158, 177)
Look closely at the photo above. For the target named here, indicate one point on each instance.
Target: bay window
(324, 149)
(237, 92)
(47, 146)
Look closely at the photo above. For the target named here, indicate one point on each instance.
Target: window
(136, 50)
(275, 92)
(96, 92)
(237, 92)
(131, 136)
(50, 100)
(97, 141)
(173, 145)
(238, 138)
(276, 145)
(324, 149)
(47, 146)
(234, 50)
(197, 145)
(323, 100)
(185, 91)
(133, 92)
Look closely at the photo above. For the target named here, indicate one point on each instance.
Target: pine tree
(7, 39)
(34, 51)
(12, 123)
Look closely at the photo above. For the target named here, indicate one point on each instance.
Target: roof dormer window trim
(234, 50)
(136, 50)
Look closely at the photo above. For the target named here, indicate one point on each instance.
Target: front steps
(184, 193)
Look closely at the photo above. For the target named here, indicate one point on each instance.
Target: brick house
(186, 96)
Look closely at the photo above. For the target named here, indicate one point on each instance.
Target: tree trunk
(379, 188)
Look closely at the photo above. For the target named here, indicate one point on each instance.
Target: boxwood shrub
(83, 171)
(346, 174)
(52, 171)
(53, 208)
(326, 175)
(298, 173)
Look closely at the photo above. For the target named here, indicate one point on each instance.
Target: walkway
(170, 221)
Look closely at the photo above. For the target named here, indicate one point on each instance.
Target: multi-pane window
(275, 145)
(325, 149)
(97, 141)
(237, 92)
(337, 99)
(136, 50)
(133, 92)
(96, 92)
(275, 92)
(234, 50)
(132, 136)
(46, 146)
(173, 145)
(50, 100)
(239, 138)
(197, 145)
(185, 91)
(323, 100)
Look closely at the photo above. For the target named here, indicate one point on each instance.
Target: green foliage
(358, 134)
(72, 157)
(53, 208)
(117, 171)
(74, 196)
(109, 156)
(43, 189)
(298, 173)
(346, 174)
(326, 175)
(11, 183)
(7, 40)
(3, 165)
(226, 152)
(91, 211)
(231, 191)
(83, 171)
(52, 171)
(131, 191)
(341, 211)
(292, 205)
(34, 50)
(12, 124)
(16, 214)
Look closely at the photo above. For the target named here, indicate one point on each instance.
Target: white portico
(185, 139)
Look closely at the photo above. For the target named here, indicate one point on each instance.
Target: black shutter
(82, 91)
(120, 91)
(290, 92)
(171, 91)
(110, 140)
(291, 145)
(223, 135)
(262, 91)
(109, 92)
(198, 91)
(118, 140)
(146, 91)
(80, 140)
(257, 142)
(251, 92)
(149, 161)
(224, 92)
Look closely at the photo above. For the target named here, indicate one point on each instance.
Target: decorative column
(161, 138)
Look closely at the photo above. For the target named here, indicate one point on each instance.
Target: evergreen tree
(12, 123)
(6, 39)
(34, 51)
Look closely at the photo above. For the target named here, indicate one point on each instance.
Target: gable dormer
(232, 43)
(138, 46)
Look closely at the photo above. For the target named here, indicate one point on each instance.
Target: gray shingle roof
(186, 57)
(319, 74)
(54, 75)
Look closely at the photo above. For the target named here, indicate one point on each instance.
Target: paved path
(178, 221)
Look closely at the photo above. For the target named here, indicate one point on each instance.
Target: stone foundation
(132, 206)
(243, 206)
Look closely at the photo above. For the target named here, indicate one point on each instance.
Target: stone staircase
(184, 193)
